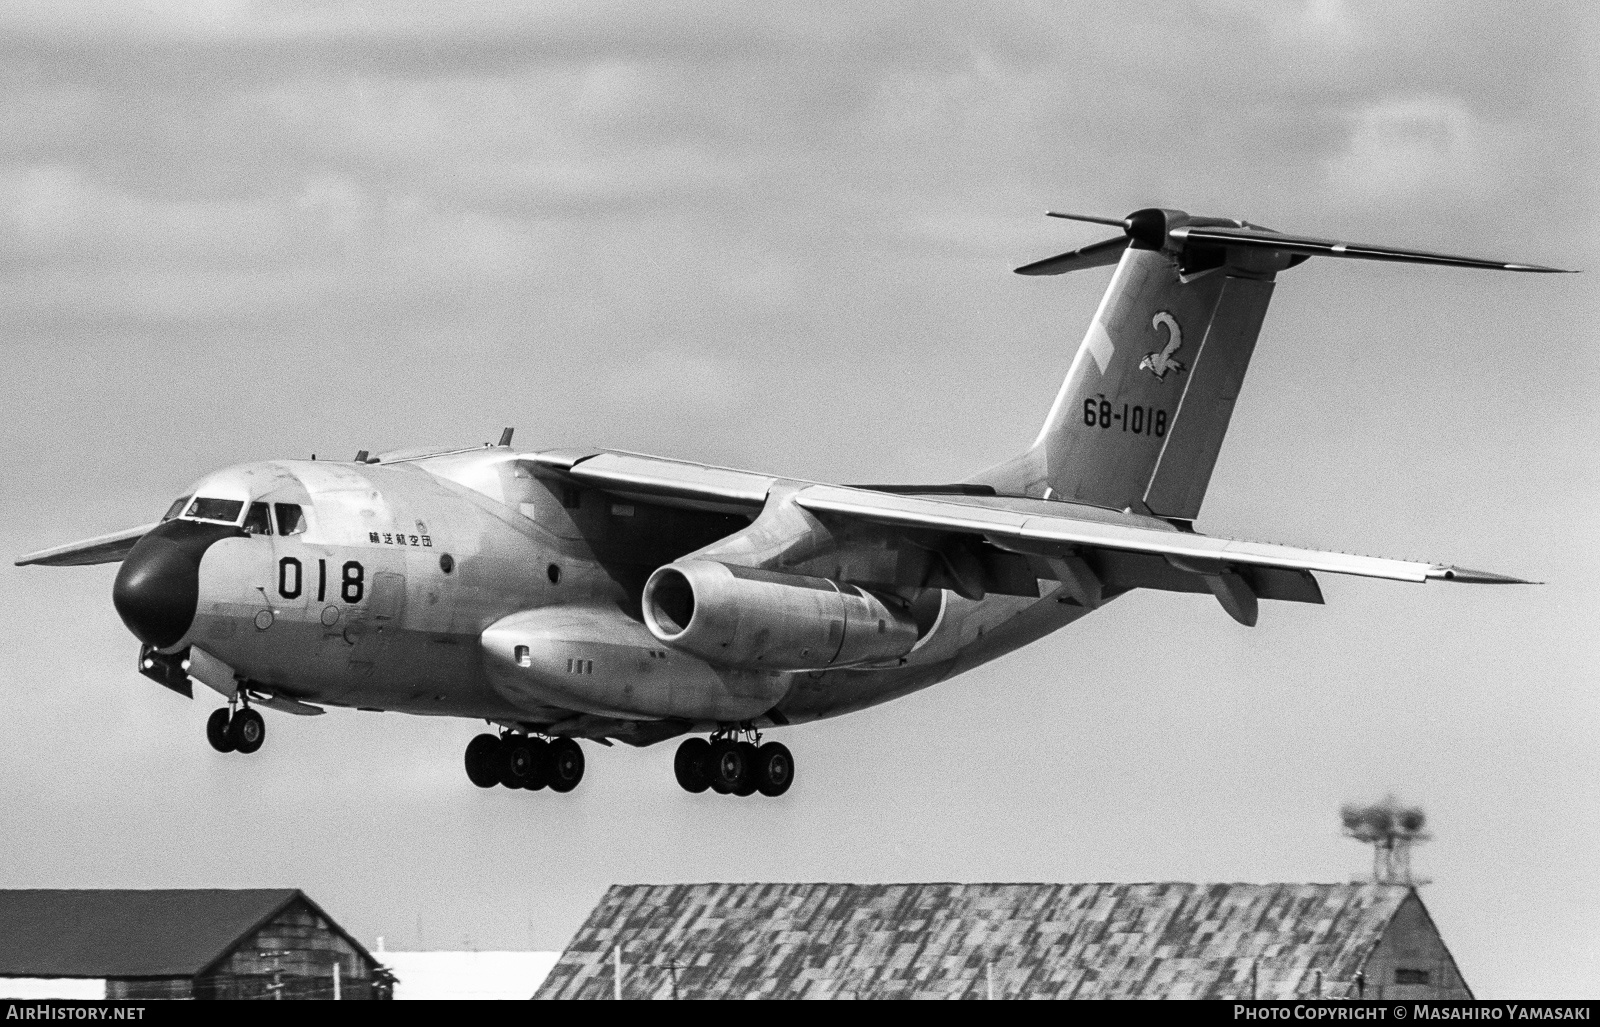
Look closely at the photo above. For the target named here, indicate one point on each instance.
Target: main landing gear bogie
(729, 765)
(230, 730)
(519, 761)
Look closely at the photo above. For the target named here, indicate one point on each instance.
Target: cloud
(1400, 147)
(492, 165)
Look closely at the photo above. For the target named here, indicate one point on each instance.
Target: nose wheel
(519, 761)
(217, 730)
(230, 730)
(734, 763)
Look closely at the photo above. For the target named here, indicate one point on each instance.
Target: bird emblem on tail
(1159, 364)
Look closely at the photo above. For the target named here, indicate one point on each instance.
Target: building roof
(468, 975)
(947, 940)
(100, 933)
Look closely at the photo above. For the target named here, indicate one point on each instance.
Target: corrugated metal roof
(948, 940)
(128, 933)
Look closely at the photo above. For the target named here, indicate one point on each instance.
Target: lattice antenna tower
(1391, 829)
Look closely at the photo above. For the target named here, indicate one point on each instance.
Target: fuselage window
(176, 508)
(225, 510)
(291, 519)
(257, 521)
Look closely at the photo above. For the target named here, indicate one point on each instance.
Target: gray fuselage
(465, 585)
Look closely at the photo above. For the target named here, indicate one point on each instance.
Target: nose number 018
(352, 580)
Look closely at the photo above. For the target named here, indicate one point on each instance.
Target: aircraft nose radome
(157, 590)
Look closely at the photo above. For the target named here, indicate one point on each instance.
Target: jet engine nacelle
(744, 617)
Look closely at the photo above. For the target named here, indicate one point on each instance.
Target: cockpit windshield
(291, 519)
(258, 521)
(176, 508)
(225, 510)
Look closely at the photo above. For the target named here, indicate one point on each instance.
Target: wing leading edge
(656, 479)
(100, 549)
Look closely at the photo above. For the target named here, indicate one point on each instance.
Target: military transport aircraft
(566, 594)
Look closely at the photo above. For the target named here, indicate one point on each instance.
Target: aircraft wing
(1092, 552)
(101, 549)
(1035, 533)
(656, 479)
(683, 483)
(1093, 557)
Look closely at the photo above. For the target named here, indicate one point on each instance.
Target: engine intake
(744, 617)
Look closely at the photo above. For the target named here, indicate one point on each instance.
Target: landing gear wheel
(774, 769)
(481, 753)
(217, 731)
(541, 769)
(748, 785)
(247, 730)
(729, 767)
(516, 762)
(691, 765)
(566, 765)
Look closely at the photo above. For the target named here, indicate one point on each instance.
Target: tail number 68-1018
(1098, 412)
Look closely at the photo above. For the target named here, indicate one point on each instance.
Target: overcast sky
(782, 241)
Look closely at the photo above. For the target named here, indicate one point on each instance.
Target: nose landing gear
(734, 763)
(236, 731)
(519, 761)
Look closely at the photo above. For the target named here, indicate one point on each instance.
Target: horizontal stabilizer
(1263, 239)
(100, 549)
(1199, 243)
(1100, 254)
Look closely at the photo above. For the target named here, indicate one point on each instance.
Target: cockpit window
(226, 510)
(291, 519)
(257, 521)
(176, 508)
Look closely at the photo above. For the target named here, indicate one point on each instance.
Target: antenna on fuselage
(505, 436)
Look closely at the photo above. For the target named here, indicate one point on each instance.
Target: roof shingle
(945, 940)
(127, 933)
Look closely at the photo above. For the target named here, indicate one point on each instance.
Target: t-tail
(1140, 419)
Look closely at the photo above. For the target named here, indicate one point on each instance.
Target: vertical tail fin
(1141, 417)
